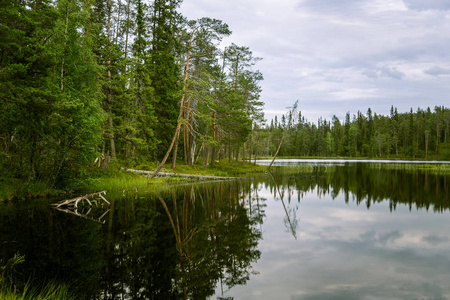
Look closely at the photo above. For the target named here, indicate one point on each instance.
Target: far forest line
(423, 134)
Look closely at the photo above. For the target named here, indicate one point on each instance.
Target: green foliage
(81, 81)
(165, 73)
(47, 77)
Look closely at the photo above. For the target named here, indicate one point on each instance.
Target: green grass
(118, 181)
(12, 189)
(49, 292)
(9, 291)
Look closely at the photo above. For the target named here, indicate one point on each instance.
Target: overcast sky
(336, 56)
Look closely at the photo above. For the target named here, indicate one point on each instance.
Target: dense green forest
(104, 80)
(424, 134)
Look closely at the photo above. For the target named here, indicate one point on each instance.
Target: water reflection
(202, 241)
(366, 183)
(354, 241)
(56, 247)
(216, 234)
(180, 244)
(290, 220)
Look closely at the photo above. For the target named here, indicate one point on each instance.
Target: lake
(308, 230)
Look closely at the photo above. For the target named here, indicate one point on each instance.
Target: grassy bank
(117, 180)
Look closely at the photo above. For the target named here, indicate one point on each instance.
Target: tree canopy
(109, 80)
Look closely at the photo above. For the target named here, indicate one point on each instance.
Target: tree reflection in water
(290, 220)
(366, 183)
(185, 242)
(216, 234)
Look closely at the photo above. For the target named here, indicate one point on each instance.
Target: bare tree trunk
(278, 149)
(292, 114)
(177, 131)
(207, 150)
(246, 111)
(187, 146)
(175, 151)
(243, 154)
(113, 144)
(230, 152)
(213, 150)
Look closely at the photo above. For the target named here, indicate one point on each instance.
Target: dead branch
(75, 201)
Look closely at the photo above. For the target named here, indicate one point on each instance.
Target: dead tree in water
(291, 119)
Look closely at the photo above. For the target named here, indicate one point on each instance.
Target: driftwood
(70, 206)
(75, 201)
(150, 173)
(84, 216)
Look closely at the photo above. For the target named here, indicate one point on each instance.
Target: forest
(84, 84)
(419, 135)
(117, 80)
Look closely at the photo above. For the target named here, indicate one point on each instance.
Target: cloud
(381, 238)
(428, 4)
(436, 71)
(328, 53)
(331, 6)
(391, 72)
(435, 240)
(389, 237)
(354, 94)
(385, 71)
(370, 73)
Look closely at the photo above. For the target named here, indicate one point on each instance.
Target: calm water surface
(339, 230)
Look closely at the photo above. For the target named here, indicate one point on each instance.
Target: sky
(339, 56)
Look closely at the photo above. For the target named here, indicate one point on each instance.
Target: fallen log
(75, 201)
(182, 175)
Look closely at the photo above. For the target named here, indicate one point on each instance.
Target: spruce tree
(165, 75)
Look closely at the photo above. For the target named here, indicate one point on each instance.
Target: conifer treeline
(424, 134)
(114, 79)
